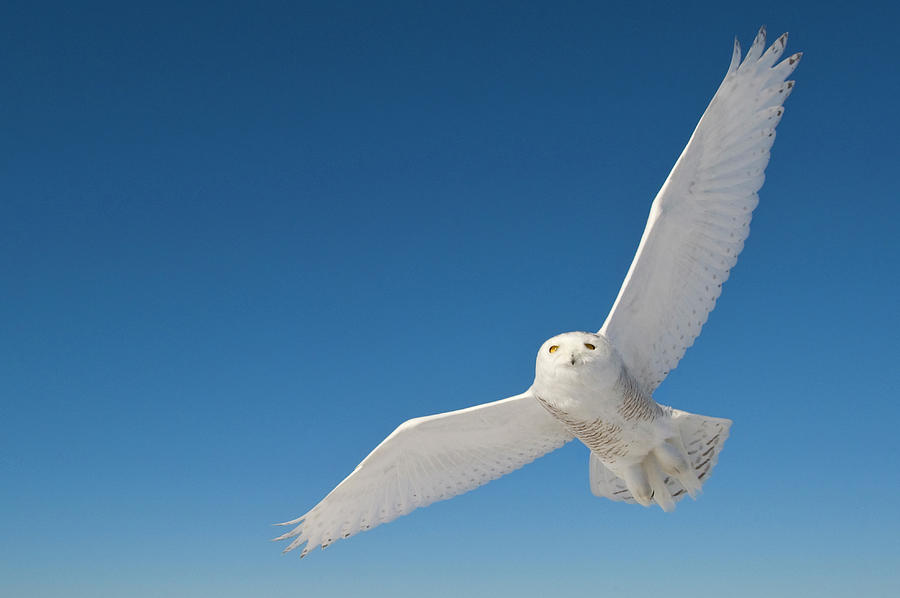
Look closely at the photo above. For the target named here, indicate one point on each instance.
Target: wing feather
(429, 459)
(701, 216)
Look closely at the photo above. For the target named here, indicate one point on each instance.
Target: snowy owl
(598, 387)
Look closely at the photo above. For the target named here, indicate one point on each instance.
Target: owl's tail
(662, 477)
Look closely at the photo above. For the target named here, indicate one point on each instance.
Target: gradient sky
(241, 243)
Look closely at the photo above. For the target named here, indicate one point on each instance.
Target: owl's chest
(609, 421)
(575, 403)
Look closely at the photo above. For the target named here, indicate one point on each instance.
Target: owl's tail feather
(703, 438)
(678, 468)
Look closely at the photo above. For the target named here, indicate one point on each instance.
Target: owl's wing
(701, 216)
(428, 459)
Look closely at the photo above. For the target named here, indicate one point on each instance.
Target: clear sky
(241, 243)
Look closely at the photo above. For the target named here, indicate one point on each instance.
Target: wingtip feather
(735, 56)
(292, 521)
(756, 49)
(295, 544)
(294, 532)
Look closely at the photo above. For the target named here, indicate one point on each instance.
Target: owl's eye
(590, 346)
(554, 348)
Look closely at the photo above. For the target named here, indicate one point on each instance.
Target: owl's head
(585, 356)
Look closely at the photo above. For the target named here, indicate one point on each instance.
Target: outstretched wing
(428, 459)
(701, 217)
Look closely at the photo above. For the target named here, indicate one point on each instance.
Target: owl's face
(577, 357)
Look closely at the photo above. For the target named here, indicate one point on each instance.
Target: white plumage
(598, 386)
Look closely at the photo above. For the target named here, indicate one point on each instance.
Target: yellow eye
(554, 348)
(590, 346)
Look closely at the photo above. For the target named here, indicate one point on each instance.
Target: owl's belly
(606, 438)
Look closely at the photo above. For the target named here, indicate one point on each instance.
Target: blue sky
(240, 244)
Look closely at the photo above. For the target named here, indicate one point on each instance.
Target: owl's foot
(648, 481)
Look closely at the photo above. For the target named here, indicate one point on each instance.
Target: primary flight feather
(598, 387)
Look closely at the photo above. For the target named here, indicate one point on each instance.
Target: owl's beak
(572, 358)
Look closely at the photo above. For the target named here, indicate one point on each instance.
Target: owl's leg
(638, 484)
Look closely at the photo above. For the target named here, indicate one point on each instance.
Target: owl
(598, 386)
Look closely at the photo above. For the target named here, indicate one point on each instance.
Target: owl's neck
(585, 397)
